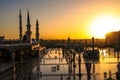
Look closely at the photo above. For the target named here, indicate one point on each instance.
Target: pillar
(13, 61)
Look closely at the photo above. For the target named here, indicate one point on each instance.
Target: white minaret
(37, 31)
(28, 32)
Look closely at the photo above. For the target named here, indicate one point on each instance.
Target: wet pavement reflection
(54, 67)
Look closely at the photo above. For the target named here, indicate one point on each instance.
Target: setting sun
(104, 24)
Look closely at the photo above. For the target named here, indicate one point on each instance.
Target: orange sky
(58, 19)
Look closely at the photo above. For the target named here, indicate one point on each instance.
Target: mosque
(27, 37)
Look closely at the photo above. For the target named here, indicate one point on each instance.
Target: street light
(13, 58)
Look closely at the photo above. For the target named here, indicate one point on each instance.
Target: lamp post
(70, 66)
(38, 68)
(70, 55)
(13, 61)
(22, 62)
(79, 61)
(74, 78)
(93, 55)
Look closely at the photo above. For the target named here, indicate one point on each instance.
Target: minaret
(28, 32)
(37, 31)
(20, 25)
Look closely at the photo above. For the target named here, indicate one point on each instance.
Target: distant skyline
(60, 19)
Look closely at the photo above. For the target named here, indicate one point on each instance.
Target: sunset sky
(60, 19)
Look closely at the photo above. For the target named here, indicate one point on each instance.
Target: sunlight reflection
(103, 53)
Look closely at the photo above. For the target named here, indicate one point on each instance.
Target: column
(13, 61)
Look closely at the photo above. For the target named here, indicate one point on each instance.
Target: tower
(20, 25)
(37, 31)
(28, 32)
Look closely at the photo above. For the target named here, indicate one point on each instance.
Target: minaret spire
(37, 31)
(28, 32)
(20, 25)
(28, 18)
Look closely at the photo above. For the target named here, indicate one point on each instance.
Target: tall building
(37, 31)
(113, 38)
(20, 25)
(28, 32)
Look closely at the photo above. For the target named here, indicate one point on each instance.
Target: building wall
(1, 39)
(112, 38)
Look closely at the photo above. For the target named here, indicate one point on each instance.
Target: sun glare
(104, 24)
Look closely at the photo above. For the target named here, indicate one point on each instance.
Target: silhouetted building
(28, 32)
(112, 38)
(27, 36)
(37, 31)
(24, 38)
(1, 38)
(68, 40)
